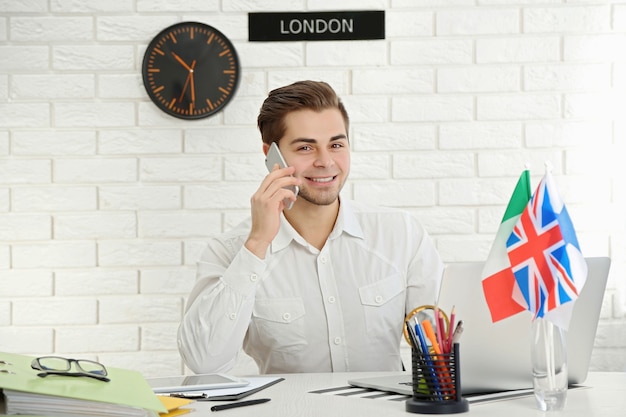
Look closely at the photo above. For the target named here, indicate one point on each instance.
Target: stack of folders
(23, 392)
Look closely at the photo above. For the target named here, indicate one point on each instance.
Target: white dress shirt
(301, 309)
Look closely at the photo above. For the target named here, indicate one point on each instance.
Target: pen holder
(437, 384)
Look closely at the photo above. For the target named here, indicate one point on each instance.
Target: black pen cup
(436, 383)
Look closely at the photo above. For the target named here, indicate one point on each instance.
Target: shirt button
(331, 299)
(337, 340)
(232, 316)
(323, 259)
(254, 277)
(286, 316)
(379, 299)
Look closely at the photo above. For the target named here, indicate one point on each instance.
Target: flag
(545, 257)
(499, 285)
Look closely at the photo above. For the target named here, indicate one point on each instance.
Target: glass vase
(549, 363)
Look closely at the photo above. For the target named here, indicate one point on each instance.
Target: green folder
(126, 388)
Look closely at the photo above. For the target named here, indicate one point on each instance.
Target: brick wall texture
(105, 201)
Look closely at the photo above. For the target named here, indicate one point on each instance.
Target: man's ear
(266, 148)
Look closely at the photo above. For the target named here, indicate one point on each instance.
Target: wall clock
(190, 70)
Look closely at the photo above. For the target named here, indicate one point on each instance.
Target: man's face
(316, 144)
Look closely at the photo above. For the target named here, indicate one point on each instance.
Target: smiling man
(323, 286)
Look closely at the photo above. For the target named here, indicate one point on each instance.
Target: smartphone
(275, 157)
(198, 382)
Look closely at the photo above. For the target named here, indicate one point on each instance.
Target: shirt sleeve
(425, 271)
(219, 308)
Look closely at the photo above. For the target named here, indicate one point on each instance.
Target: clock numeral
(154, 70)
(229, 72)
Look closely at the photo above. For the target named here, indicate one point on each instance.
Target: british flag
(545, 256)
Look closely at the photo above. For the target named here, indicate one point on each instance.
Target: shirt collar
(346, 222)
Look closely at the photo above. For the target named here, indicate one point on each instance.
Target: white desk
(605, 397)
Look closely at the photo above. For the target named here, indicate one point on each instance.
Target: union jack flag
(545, 256)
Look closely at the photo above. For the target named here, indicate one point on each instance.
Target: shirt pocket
(383, 305)
(279, 323)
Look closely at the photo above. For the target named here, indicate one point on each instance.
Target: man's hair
(301, 95)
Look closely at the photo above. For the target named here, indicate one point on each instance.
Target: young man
(323, 286)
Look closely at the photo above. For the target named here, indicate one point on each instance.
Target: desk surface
(604, 395)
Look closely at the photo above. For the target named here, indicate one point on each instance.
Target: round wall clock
(190, 70)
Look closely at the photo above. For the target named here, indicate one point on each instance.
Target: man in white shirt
(321, 287)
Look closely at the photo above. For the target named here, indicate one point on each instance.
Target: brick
(567, 133)
(431, 52)
(433, 165)
(589, 77)
(56, 142)
(477, 21)
(95, 282)
(119, 86)
(277, 77)
(27, 283)
(476, 192)
(393, 137)
(180, 169)
(159, 336)
(478, 79)
(593, 47)
(337, 53)
(178, 225)
(45, 87)
(54, 311)
(168, 281)
(518, 49)
(593, 106)
(193, 248)
(26, 340)
(189, 6)
(21, 171)
(526, 107)
(369, 166)
(57, 198)
(586, 19)
(95, 226)
(402, 24)
(5, 257)
(32, 115)
(392, 81)
(5, 313)
(130, 28)
(4, 199)
(25, 227)
(24, 58)
(91, 6)
(95, 170)
(139, 253)
(140, 309)
(500, 164)
(99, 114)
(221, 139)
(54, 254)
(481, 135)
(245, 168)
(256, 55)
(145, 197)
(231, 195)
(92, 57)
(397, 193)
(442, 108)
(45, 29)
(464, 248)
(367, 109)
(100, 338)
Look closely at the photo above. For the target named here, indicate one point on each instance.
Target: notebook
(496, 356)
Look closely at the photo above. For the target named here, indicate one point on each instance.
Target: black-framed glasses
(56, 365)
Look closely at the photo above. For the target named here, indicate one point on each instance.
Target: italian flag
(498, 281)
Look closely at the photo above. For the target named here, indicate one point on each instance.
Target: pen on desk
(239, 404)
(451, 329)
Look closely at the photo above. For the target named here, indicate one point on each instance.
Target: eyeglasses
(56, 365)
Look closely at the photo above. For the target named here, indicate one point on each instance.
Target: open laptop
(495, 357)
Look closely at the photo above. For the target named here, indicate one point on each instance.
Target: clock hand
(183, 63)
(193, 86)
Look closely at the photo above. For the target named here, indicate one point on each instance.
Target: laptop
(495, 357)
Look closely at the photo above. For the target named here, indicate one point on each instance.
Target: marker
(239, 404)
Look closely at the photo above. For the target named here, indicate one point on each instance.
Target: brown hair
(312, 95)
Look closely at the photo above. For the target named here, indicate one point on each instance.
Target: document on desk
(257, 383)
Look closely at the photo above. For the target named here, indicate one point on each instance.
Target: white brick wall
(105, 201)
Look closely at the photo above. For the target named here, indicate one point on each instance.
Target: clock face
(190, 70)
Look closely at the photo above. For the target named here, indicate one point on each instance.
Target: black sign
(316, 26)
